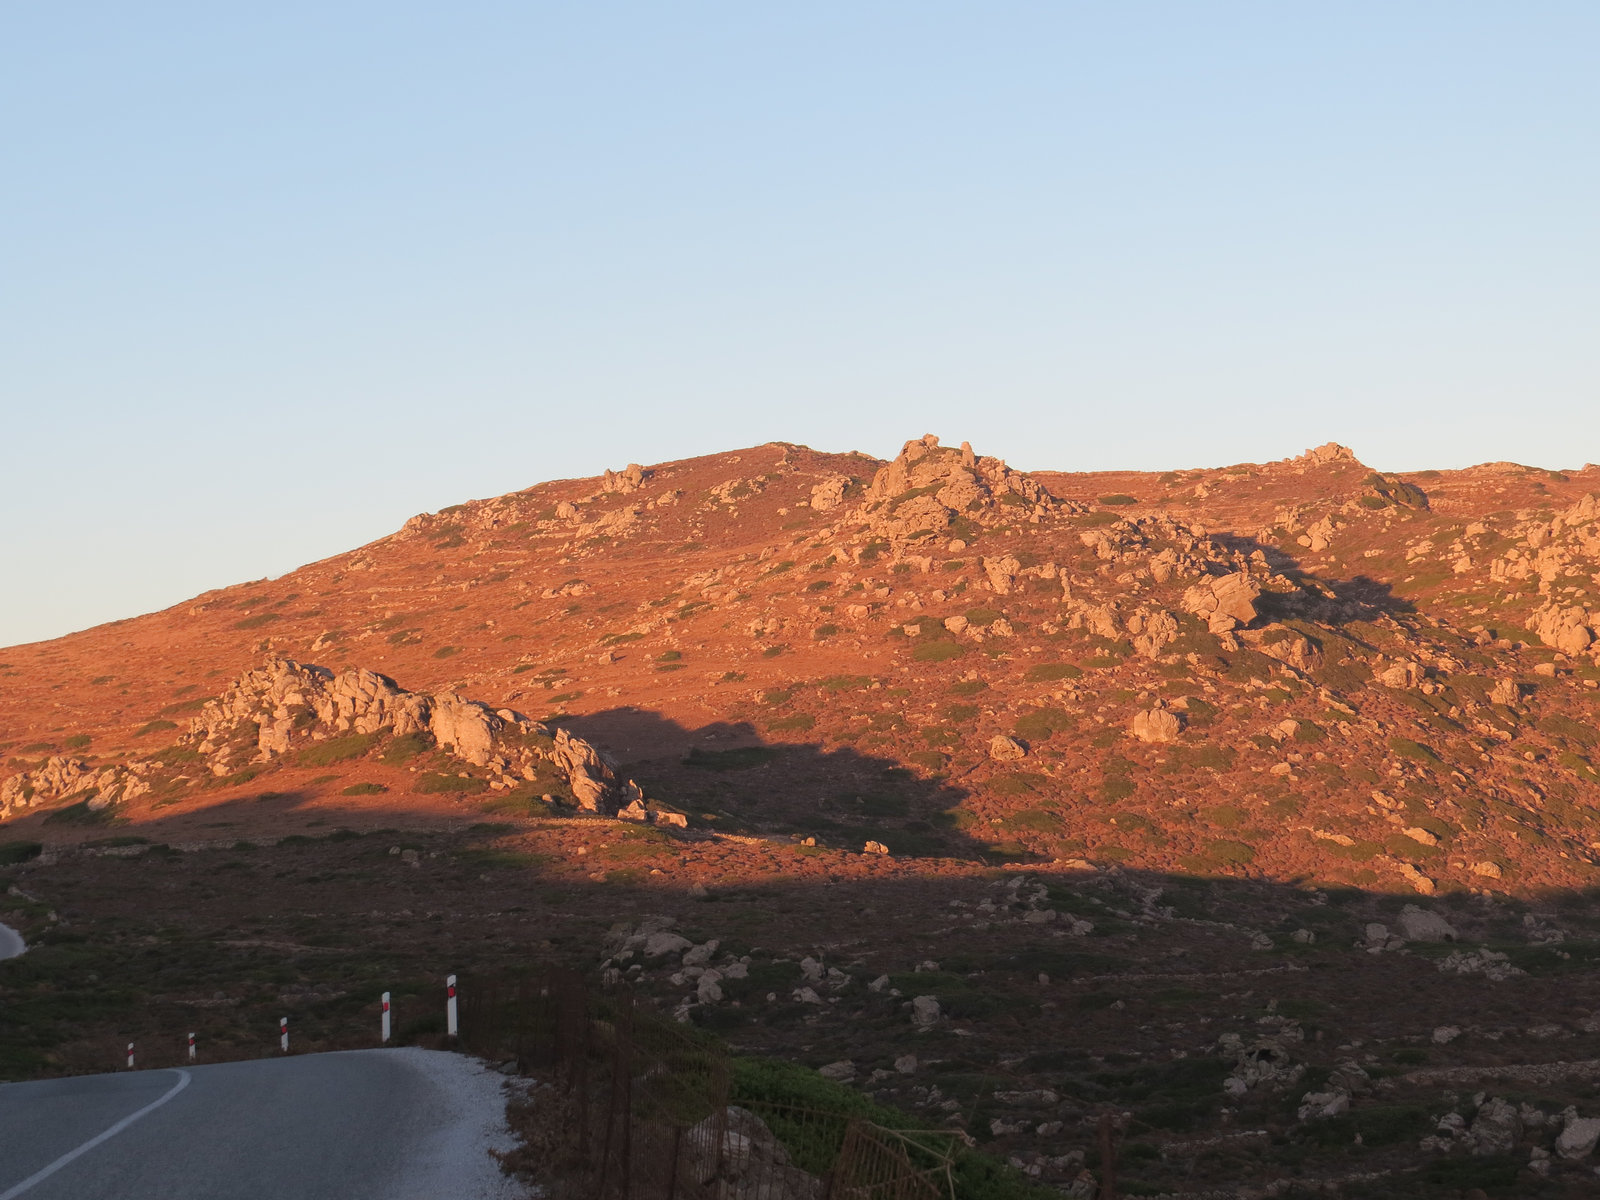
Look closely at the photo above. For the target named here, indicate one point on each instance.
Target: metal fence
(627, 1106)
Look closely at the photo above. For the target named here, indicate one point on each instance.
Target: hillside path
(402, 1124)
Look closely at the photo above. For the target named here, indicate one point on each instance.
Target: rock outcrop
(1224, 602)
(929, 488)
(272, 711)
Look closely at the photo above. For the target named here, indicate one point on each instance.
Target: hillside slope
(1302, 668)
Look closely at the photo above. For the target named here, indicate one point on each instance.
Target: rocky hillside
(1298, 669)
(1238, 823)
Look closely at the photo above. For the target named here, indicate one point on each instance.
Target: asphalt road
(11, 943)
(395, 1124)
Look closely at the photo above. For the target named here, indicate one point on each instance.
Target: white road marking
(40, 1176)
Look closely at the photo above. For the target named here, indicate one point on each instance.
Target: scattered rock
(1006, 749)
(1156, 725)
(1420, 925)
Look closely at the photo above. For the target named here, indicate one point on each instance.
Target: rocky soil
(1252, 806)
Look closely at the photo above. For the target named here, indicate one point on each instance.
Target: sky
(275, 277)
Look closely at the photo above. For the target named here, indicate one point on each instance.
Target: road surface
(392, 1124)
(11, 943)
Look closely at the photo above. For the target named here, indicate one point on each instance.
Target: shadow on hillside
(725, 775)
(728, 777)
(1359, 598)
(303, 919)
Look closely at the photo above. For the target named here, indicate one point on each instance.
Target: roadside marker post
(130, 1056)
(191, 1047)
(386, 1018)
(283, 1034)
(452, 1027)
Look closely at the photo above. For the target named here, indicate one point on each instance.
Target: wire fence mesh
(626, 1106)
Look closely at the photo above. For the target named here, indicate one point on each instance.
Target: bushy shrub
(740, 758)
(1049, 672)
(1042, 723)
(322, 754)
(408, 746)
(1413, 751)
(937, 651)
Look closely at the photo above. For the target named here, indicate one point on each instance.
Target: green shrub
(937, 651)
(1401, 846)
(257, 621)
(823, 632)
(968, 687)
(1117, 787)
(1049, 672)
(364, 789)
(845, 683)
(799, 722)
(1042, 723)
(1117, 499)
(153, 727)
(1310, 731)
(81, 814)
(446, 651)
(406, 747)
(1413, 751)
(323, 754)
(78, 741)
(740, 758)
(669, 656)
(983, 617)
(19, 852)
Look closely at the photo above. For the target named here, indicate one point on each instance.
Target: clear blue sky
(274, 277)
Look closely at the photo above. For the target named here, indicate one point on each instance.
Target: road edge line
(44, 1173)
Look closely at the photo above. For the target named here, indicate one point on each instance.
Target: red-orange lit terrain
(1124, 770)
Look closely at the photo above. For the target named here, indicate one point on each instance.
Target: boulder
(1496, 1128)
(829, 493)
(708, 988)
(465, 727)
(1420, 925)
(1578, 1139)
(1224, 602)
(665, 942)
(1006, 749)
(1320, 1106)
(1156, 725)
(925, 1012)
(1399, 675)
(734, 1156)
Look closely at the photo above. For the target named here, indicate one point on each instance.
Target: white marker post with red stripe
(386, 1018)
(283, 1034)
(451, 1025)
(130, 1056)
(191, 1047)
